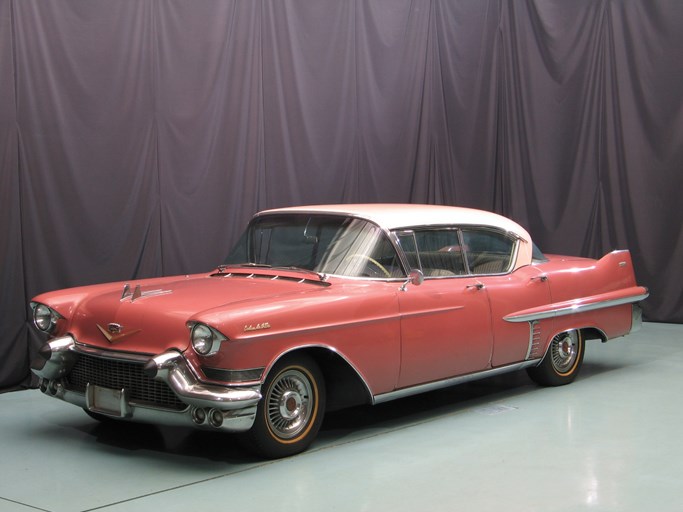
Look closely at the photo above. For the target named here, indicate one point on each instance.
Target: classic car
(320, 308)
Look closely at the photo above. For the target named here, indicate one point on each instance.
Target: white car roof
(394, 216)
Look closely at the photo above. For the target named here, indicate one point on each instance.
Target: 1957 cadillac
(324, 307)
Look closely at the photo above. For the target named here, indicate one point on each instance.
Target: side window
(437, 252)
(361, 250)
(389, 264)
(488, 252)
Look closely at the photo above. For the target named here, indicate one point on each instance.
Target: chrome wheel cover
(289, 404)
(564, 351)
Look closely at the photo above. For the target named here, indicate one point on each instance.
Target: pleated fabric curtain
(138, 138)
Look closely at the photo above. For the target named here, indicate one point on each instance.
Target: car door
(490, 254)
(445, 321)
(524, 288)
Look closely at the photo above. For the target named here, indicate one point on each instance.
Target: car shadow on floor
(339, 427)
(181, 441)
(475, 395)
(426, 406)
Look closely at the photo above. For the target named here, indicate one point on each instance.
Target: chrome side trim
(431, 386)
(576, 308)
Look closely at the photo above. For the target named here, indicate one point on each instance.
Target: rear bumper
(198, 404)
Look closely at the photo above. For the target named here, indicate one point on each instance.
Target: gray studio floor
(610, 441)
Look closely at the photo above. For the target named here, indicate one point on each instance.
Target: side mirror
(416, 277)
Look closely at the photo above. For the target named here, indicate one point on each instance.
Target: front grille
(117, 374)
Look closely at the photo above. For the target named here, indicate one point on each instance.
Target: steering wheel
(373, 261)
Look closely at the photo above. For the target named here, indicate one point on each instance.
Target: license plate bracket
(111, 402)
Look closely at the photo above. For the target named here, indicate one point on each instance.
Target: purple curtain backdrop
(137, 138)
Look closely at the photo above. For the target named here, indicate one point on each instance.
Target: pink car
(324, 307)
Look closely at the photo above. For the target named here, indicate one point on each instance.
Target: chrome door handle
(478, 286)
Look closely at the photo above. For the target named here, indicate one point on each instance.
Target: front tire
(562, 361)
(291, 411)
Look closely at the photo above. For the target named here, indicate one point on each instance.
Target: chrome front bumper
(230, 409)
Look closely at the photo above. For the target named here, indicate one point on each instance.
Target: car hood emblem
(114, 332)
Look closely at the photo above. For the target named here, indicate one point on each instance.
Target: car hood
(151, 316)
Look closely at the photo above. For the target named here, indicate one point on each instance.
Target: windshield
(325, 244)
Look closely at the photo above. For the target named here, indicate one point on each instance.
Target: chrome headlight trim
(44, 317)
(205, 340)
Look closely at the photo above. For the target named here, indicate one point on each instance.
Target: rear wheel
(291, 411)
(562, 361)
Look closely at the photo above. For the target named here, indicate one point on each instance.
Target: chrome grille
(118, 374)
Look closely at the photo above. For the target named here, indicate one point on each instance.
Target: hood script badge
(114, 332)
(257, 327)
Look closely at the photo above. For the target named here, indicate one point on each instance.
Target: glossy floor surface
(610, 441)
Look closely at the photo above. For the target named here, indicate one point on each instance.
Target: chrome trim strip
(431, 386)
(112, 355)
(576, 308)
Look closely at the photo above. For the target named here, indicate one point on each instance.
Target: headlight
(44, 317)
(206, 341)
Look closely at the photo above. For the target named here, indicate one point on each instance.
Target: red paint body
(390, 331)
(394, 339)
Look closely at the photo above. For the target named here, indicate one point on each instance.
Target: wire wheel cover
(290, 403)
(564, 351)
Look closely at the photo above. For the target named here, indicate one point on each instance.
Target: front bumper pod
(231, 409)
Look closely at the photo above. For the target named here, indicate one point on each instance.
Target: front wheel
(291, 411)
(562, 361)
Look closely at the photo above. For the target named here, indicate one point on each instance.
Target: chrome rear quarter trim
(573, 309)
